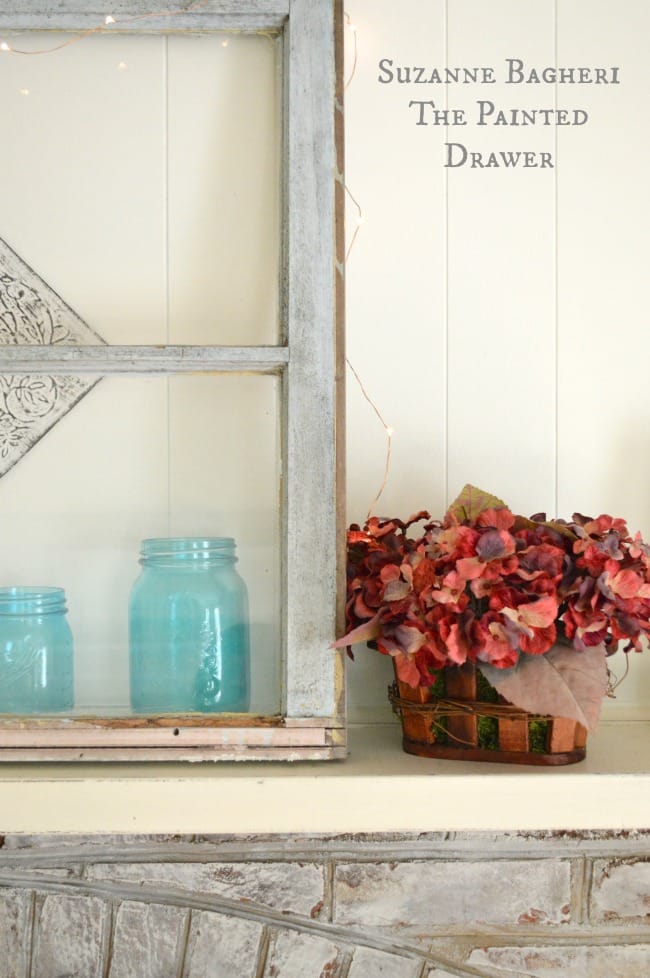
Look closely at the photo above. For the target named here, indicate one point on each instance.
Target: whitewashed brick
(14, 917)
(621, 891)
(368, 963)
(423, 897)
(222, 947)
(69, 937)
(294, 955)
(60, 841)
(147, 941)
(613, 961)
(286, 887)
(25, 876)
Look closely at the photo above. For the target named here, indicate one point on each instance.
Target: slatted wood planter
(458, 724)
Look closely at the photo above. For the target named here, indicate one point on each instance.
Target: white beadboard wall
(498, 317)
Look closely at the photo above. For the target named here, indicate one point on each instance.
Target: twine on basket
(439, 708)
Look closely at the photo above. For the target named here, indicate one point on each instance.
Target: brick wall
(551, 905)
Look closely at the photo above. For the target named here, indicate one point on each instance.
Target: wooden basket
(463, 718)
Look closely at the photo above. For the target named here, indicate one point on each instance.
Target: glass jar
(36, 671)
(188, 628)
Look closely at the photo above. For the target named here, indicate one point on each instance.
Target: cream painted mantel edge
(377, 789)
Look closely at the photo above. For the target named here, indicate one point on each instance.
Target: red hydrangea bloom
(484, 585)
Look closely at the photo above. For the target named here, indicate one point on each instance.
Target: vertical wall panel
(82, 176)
(224, 481)
(395, 290)
(395, 298)
(501, 266)
(224, 183)
(548, 401)
(603, 219)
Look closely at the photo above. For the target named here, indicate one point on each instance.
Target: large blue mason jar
(36, 668)
(188, 628)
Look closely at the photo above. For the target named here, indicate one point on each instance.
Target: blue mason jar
(36, 671)
(188, 628)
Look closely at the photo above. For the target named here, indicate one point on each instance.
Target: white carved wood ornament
(31, 313)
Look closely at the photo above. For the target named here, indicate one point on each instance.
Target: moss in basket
(484, 691)
(440, 732)
(537, 736)
(488, 727)
(488, 733)
(439, 688)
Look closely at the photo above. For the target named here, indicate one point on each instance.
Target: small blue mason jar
(36, 670)
(188, 628)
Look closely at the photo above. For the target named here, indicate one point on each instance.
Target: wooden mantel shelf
(377, 789)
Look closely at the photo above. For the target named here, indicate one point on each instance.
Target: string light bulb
(4, 46)
(109, 20)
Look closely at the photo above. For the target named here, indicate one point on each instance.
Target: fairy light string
(359, 221)
(353, 240)
(108, 22)
(105, 27)
(389, 437)
(355, 51)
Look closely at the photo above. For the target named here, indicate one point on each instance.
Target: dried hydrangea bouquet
(499, 626)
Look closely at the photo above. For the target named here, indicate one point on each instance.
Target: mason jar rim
(162, 546)
(17, 599)
(30, 591)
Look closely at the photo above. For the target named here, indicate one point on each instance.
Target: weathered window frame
(308, 360)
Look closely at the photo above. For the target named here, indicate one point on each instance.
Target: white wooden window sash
(308, 360)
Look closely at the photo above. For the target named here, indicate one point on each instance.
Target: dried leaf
(365, 632)
(561, 683)
(471, 502)
(521, 523)
(407, 670)
(396, 590)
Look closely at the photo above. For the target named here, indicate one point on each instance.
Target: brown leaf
(521, 523)
(561, 683)
(471, 502)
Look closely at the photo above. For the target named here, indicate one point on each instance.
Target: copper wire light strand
(359, 221)
(353, 240)
(613, 681)
(107, 25)
(355, 54)
(389, 436)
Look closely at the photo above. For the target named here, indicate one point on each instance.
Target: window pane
(140, 181)
(138, 458)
